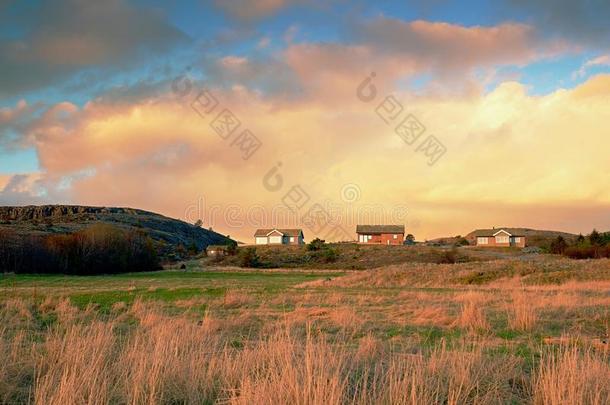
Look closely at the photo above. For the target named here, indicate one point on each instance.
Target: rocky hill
(53, 219)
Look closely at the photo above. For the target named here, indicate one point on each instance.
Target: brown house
(279, 237)
(503, 237)
(381, 234)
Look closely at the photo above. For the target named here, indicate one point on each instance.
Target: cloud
(505, 149)
(247, 10)
(584, 23)
(67, 36)
(20, 189)
(451, 48)
(603, 60)
(456, 58)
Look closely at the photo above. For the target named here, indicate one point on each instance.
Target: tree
(330, 255)
(249, 258)
(580, 239)
(410, 239)
(192, 248)
(316, 244)
(198, 223)
(595, 238)
(462, 242)
(231, 247)
(559, 245)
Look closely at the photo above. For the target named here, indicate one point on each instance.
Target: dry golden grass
(572, 377)
(522, 311)
(236, 299)
(372, 338)
(170, 359)
(472, 316)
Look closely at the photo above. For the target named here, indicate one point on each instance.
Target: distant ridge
(54, 219)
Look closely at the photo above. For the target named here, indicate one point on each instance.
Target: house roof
(285, 232)
(492, 232)
(380, 229)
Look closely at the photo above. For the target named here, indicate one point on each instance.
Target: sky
(443, 116)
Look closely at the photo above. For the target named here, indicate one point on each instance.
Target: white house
(279, 237)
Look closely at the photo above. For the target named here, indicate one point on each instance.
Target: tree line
(99, 249)
(596, 245)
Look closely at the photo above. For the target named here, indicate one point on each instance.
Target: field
(514, 330)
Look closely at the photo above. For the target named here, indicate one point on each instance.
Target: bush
(249, 258)
(587, 252)
(330, 255)
(193, 249)
(315, 244)
(595, 238)
(449, 257)
(462, 242)
(558, 246)
(231, 248)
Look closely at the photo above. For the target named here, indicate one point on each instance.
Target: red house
(381, 234)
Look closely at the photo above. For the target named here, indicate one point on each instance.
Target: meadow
(514, 330)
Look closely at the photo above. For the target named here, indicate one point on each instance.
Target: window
(517, 239)
(292, 239)
(395, 236)
(482, 241)
(502, 239)
(261, 240)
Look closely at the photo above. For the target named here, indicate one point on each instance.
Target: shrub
(330, 255)
(558, 246)
(249, 258)
(581, 252)
(462, 242)
(315, 244)
(231, 248)
(595, 238)
(193, 249)
(448, 257)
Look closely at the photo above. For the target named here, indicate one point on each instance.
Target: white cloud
(603, 60)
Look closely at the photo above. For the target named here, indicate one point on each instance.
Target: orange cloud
(510, 157)
(448, 47)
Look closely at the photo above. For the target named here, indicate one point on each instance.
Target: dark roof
(491, 232)
(285, 232)
(380, 229)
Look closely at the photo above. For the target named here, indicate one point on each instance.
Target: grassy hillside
(349, 256)
(168, 233)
